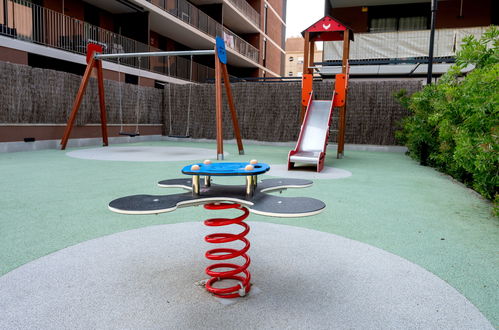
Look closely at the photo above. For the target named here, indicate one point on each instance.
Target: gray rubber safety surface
(144, 154)
(308, 172)
(145, 278)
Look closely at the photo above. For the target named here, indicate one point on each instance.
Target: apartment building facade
(392, 36)
(54, 34)
(294, 56)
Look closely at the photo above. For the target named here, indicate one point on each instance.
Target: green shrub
(454, 124)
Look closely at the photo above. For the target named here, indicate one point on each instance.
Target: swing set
(94, 61)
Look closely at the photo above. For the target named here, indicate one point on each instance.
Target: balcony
(234, 9)
(191, 15)
(407, 51)
(245, 8)
(36, 24)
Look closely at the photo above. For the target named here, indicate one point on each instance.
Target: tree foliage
(454, 124)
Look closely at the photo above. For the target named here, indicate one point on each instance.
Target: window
(383, 24)
(413, 23)
(300, 60)
(291, 59)
(290, 74)
(403, 17)
(299, 74)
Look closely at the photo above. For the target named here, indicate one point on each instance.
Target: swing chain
(137, 108)
(120, 95)
(189, 102)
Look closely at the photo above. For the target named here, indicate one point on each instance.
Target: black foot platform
(259, 202)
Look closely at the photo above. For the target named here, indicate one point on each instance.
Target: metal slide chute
(314, 132)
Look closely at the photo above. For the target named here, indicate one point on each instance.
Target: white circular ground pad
(307, 279)
(308, 172)
(145, 154)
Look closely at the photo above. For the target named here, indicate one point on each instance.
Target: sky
(300, 14)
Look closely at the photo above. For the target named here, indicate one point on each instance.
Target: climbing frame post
(343, 109)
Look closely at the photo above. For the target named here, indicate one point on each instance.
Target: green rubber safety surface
(49, 201)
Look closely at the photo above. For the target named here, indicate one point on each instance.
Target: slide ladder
(314, 133)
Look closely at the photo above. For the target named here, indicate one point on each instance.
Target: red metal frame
(236, 272)
(339, 99)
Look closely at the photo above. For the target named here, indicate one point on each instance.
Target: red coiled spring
(244, 285)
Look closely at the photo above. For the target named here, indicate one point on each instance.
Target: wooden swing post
(92, 63)
(222, 72)
(218, 108)
(343, 109)
(230, 101)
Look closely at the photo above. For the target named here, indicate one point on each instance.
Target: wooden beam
(346, 51)
(343, 110)
(306, 53)
(306, 48)
(218, 107)
(102, 102)
(77, 102)
(311, 58)
(230, 100)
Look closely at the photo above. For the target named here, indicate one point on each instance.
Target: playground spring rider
(251, 197)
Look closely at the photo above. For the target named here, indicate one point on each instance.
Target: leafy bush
(454, 124)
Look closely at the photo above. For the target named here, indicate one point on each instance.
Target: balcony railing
(29, 22)
(403, 44)
(196, 18)
(245, 8)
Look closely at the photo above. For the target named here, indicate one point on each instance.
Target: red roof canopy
(327, 29)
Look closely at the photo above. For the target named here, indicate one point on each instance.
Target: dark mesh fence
(266, 111)
(270, 111)
(40, 96)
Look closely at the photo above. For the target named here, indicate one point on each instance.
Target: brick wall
(274, 27)
(278, 6)
(13, 55)
(274, 58)
(352, 17)
(475, 13)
